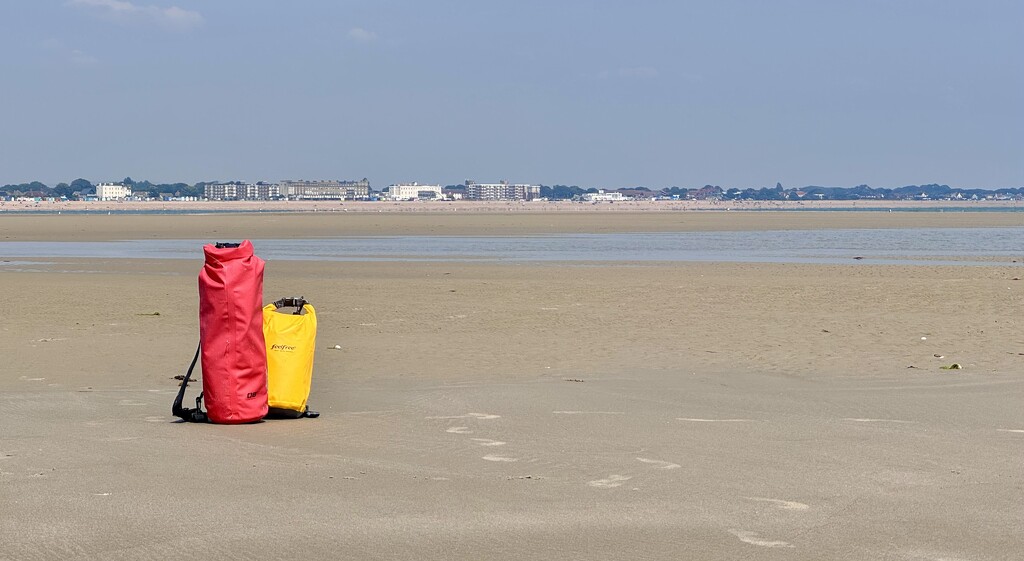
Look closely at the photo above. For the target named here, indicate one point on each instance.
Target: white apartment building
(414, 191)
(222, 191)
(238, 191)
(261, 191)
(325, 190)
(502, 191)
(112, 191)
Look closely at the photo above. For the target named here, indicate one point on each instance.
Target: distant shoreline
(486, 207)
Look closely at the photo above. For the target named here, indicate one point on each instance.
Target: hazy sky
(589, 93)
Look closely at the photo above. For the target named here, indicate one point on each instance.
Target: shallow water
(922, 246)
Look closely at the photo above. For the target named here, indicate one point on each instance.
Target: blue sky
(590, 93)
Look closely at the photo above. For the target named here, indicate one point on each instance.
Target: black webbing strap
(196, 415)
(293, 302)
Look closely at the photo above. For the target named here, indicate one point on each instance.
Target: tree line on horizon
(81, 187)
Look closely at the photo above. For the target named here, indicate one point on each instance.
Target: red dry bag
(234, 355)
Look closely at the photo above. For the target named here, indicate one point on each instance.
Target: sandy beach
(523, 411)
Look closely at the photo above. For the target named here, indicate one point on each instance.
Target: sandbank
(96, 227)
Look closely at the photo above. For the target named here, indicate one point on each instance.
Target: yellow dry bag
(291, 342)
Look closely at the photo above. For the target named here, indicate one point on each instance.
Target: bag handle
(293, 302)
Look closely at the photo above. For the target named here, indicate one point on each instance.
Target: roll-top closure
(216, 254)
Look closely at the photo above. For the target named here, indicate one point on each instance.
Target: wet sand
(478, 411)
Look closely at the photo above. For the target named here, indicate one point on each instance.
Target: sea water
(923, 246)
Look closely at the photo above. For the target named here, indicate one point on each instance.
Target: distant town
(361, 190)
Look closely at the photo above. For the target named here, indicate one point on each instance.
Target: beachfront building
(112, 191)
(414, 192)
(321, 190)
(222, 191)
(501, 191)
(602, 195)
(238, 191)
(261, 191)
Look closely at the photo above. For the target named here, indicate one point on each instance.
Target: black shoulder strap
(196, 415)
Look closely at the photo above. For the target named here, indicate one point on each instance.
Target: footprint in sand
(784, 505)
(858, 420)
(610, 482)
(695, 420)
(659, 464)
(497, 458)
(458, 430)
(487, 442)
(752, 538)
(480, 416)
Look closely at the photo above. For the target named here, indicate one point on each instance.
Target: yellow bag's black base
(278, 413)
